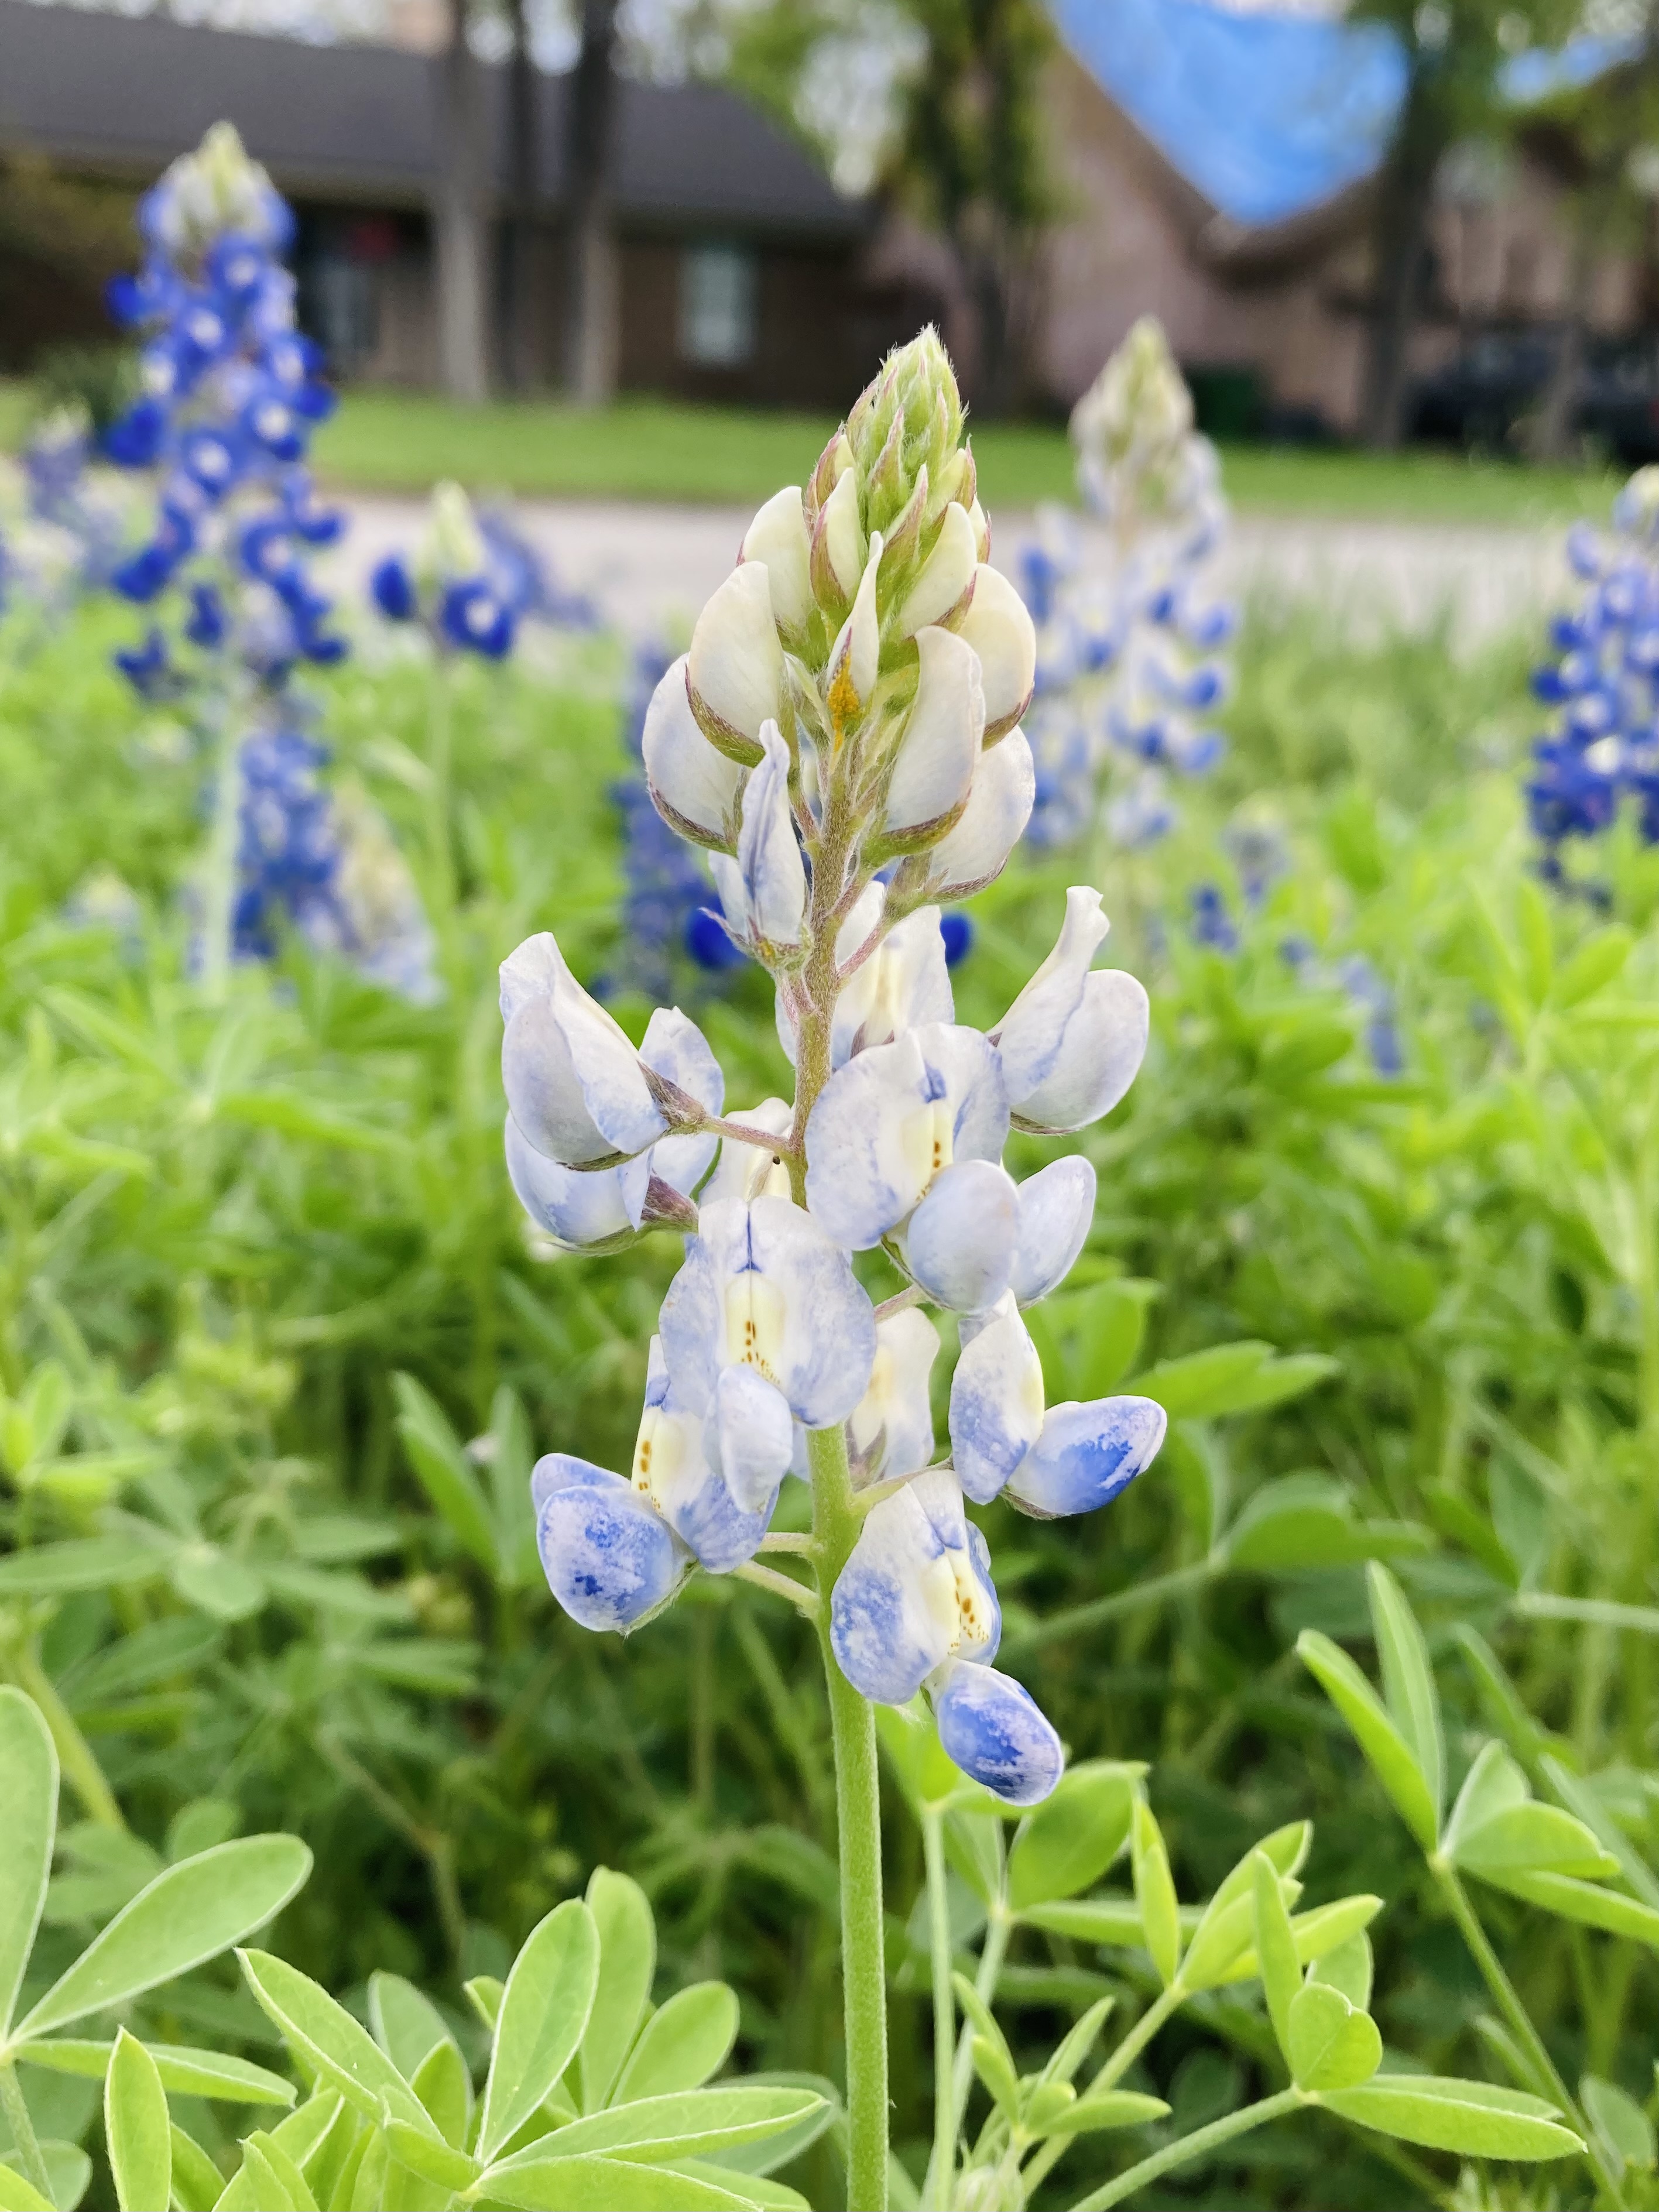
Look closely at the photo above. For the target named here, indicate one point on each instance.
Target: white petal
(573, 1081)
(1086, 1455)
(945, 576)
(777, 535)
(684, 1482)
(754, 1437)
(1056, 1206)
(676, 1048)
(768, 852)
(763, 1286)
(695, 787)
(999, 627)
(959, 1243)
(1099, 1058)
(916, 1590)
(744, 1169)
(941, 741)
(857, 653)
(968, 856)
(576, 1209)
(994, 1731)
(1032, 1031)
(735, 667)
(892, 1425)
(996, 1402)
(843, 534)
(904, 985)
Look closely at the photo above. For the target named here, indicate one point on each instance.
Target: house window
(718, 297)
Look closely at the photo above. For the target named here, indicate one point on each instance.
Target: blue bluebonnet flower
(1603, 687)
(473, 580)
(1130, 644)
(1212, 924)
(905, 781)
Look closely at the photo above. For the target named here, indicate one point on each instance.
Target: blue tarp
(1266, 115)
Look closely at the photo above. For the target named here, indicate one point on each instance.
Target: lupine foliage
(278, 1353)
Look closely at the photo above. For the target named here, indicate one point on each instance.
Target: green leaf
(1281, 1976)
(1326, 1928)
(1110, 1921)
(782, 2148)
(1346, 1966)
(684, 2043)
(1232, 1378)
(1473, 2119)
(1386, 1750)
(404, 2022)
(1072, 1837)
(137, 2128)
(191, 1912)
(1160, 1918)
(29, 1790)
(546, 2008)
(269, 2180)
(444, 2088)
(992, 2066)
(1583, 1804)
(1074, 2046)
(1408, 1687)
(1301, 1521)
(1227, 1927)
(607, 2184)
(197, 2181)
(446, 1473)
(692, 2124)
(1624, 2129)
(83, 1563)
(307, 2128)
(993, 2060)
(484, 1994)
(763, 2195)
(627, 1965)
(1110, 2108)
(432, 2160)
(1593, 966)
(1330, 2044)
(1586, 1902)
(17, 2195)
(1534, 1838)
(1537, 938)
(185, 2072)
(329, 2042)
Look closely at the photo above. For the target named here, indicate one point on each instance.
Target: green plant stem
(1191, 2147)
(1151, 1592)
(75, 1754)
(1519, 2020)
(985, 1984)
(1110, 2073)
(13, 2105)
(941, 2165)
(858, 1825)
(440, 724)
(219, 883)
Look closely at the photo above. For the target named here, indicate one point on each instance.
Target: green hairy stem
(1191, 2147)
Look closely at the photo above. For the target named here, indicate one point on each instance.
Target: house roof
(360, 123)
(1266, 115)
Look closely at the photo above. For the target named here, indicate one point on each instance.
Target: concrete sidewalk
(651, 568)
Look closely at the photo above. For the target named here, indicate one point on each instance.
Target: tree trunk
(594, 312)
(1399, 243)
(517, 348)
(462, 222)
(1555, 420)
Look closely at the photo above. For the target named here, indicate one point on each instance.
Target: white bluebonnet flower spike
(844, 736)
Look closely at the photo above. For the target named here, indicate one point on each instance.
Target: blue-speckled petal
(573, 1081)
(915, 1590)
(609, 1559)
(1086, 1455)
(994, 1731)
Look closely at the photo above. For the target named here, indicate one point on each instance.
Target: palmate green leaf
(81, 1562)
(1314, 1934)
(185, 2072)
(191, 1912)
(1580, 1800)
(1346, 1966)
(1471, 2119)
(1389, 1756)
(1112, 1922)
(1076, 2044)
(1228, 1926)
(444, 2088)
(1498, 1828)
(329, 2041)
(627, 1967)
(782, 2149)
(993, 2060)
(446, 1473)
(432, 2161)
(137, 2128)
(693, 2123)
(29, 1790)
(1232, 1378)
(683, 2044)
(268, 2180)
(1300, 1521)
(1408, 1687)
(1073, 1835)
(197, 2181)
(1281, 1975)
(606, 2184)
(1329, 2042)
(545, 2010)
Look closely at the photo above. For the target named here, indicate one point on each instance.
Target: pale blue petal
(915, 1590)
(959, 1245)
(1056, 1206)
(1033, 1031)
(995, 1732)
(891, 1430)
(607, 1558)
(576, 1209)
(1099, 1057)
(685, 1482)
(1086, 1455)
(996, 1403)
(753, 1437)
(769, 853)
(676, 1048)
(680, 1162)
(573, 1081)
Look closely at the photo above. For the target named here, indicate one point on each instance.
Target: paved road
(649, 566)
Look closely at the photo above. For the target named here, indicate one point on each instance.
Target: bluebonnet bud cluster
(1603, 684)
(231, 392)
(473, 582)
(1131, 639)
(844, 739)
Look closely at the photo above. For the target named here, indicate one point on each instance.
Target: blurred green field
(648, 449)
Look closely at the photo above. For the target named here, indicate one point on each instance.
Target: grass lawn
(653, 449)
